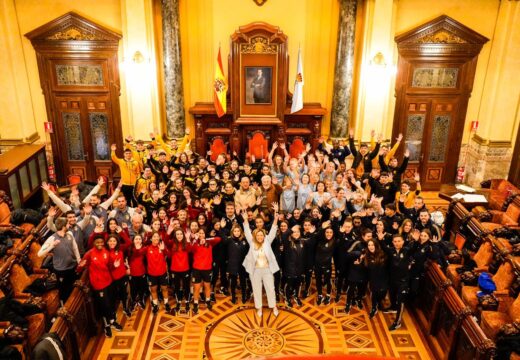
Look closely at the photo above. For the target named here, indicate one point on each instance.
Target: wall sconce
(138, 57)
(378, 60)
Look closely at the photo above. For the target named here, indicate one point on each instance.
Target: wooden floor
(235, 332)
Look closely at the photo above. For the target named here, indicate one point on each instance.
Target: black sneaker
(359, 304)
(167, 307)
(337, 298)
(142, 303)
(244, 298)
(187, 307)
(108, 332)
(155, 308)
(177, 308)
(327, 300)
(288, 303)
(319, 300)
(298, 301)
(233, 299)
(117, 326)
(127, 312)
(277, 297)
(212, 297)
(202, 297)
(195, 308)
(347, 308)
(373, 312)
(305, 294)
(395, 325)
(209, 305)
(225, 292)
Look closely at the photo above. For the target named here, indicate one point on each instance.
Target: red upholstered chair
(503, 279)
(509, 218)
(74, 179)
(297, 147)
(483, 257)
(500, 189)
(217, 146)
(258, 146)
(492, 321)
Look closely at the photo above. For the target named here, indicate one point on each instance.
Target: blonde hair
(255, 232)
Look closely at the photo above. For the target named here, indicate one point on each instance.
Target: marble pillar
(173, 89)
(340, 112)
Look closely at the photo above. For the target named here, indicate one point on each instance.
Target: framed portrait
(258, 85)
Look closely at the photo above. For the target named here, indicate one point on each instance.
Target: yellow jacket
(169, 151)
(130, 170)
(390, 154)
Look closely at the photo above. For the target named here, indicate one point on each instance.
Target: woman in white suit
(260, 262)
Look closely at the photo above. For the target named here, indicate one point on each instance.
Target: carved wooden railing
(447, 323)
(76, 323)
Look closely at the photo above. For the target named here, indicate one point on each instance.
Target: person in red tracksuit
(97, 261)
(202, 271)
(157, 270)
(117, 246)
(180, 268)
(138, 284)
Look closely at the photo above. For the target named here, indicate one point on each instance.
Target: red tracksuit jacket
(156, 260)
(136, 261)
(99, 267)
(203, 254)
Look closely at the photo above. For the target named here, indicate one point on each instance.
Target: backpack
(486, 284)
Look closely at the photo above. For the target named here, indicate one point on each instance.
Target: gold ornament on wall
(260, 2)
(441, 37)
(259, 45)
(73, 33)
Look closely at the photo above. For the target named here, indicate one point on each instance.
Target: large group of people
(200, 224)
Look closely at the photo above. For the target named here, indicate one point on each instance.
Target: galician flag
(219, 88)
(297, 98)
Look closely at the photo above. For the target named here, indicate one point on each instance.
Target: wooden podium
(259, 103)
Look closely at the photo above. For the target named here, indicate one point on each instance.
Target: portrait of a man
(258, 85)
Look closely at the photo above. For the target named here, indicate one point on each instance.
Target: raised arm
(247, 230)
(390, 154)
(274, 227)
(56, 199)
(108, 203)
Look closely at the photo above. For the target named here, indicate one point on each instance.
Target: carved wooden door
(84, 129)
(430, 130)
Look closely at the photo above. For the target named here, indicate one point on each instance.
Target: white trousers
(263, 276)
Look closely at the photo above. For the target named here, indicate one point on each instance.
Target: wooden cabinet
(26, 167)
(79, 75)
(436, 69)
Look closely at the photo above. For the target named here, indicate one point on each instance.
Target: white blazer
(251, 257)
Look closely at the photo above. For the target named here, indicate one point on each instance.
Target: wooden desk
(448, 190)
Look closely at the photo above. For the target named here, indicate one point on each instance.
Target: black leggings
(121, 290)
(219, 268)
(138, 287)
(292, 286)
(377, 297)
(323, 275)
(355, 291)
(105, 303)
(128, 192)
(66, 279)
(341, 281)
(234, 278)
(308, 279)
(181, 285)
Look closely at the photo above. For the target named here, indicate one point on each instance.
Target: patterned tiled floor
(235, 332)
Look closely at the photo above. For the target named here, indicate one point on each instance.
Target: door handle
(422, 157)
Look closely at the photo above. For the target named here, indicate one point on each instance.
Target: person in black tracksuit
(293, 265)
(426, 249)
(376, 264)
(323, 262)
(237, 248)
(400, 258)
(277, 247)
(357, 276)
(309, 242)
(346, 237)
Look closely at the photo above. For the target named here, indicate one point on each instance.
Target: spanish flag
(219, 88)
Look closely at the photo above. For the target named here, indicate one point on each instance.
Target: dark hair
(175, 246)
(378, 257)
(98, 236)
(390, 206)
(69, 213)
(114, 236)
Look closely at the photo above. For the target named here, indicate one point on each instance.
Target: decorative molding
(72, 27)
(260, 2)
(491, 143)
(259, 45)
(443, 35)
(20, 141)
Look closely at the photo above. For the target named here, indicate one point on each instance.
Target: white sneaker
(275, 312)
(259, 313)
